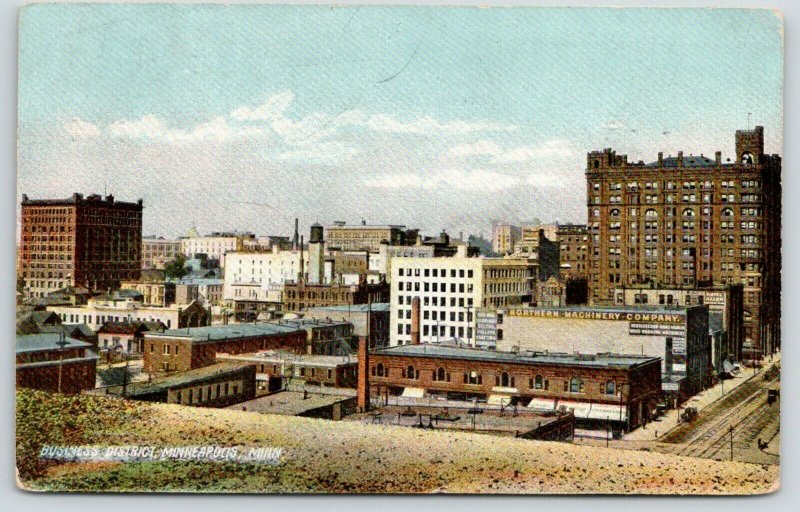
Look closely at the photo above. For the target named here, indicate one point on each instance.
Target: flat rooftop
(288, 403)
(474, 354)
(353, 308)
(178, 379)
(47, 341)
(223, 332)
(275, 356)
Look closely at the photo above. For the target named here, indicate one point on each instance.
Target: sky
(245, 117)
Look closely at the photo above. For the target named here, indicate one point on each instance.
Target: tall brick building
(91, 242)
(691, 221)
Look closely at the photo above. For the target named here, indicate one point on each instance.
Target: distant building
(505, 238)
(357, 315)
(128, 336)
(157, 252)
(117, 308)
(207, 291)
(574, 251)
(154, 293)
(726, 312)
(363, 237)
(301, 296)
(89, 242)
(216, 245)
(275, 370)
(55, 363)
(530, 236)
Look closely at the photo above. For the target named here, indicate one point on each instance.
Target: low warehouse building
(275, 370)
(56, 363)
(187, 349)
(597, 388)
(217, 385)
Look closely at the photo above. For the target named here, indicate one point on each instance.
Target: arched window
(440, 375)
(538, 381)
(727, 212)
(614, 213)
(575, 385)
(688, 212)
(651, 213)
(596, 213)
(505, 380)
(379, 370)
(411, 373)
(611, 388)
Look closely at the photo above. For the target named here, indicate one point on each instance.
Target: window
(575, 385)
(610, 388)
(538, 382)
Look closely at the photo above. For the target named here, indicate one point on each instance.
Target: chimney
(362, 391)
(718, 156)
(296, 238)
(461, 251)
(415, 321)
(668, 357)
(680, 158)
(660, 158)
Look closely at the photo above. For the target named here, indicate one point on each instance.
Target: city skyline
(322, 132)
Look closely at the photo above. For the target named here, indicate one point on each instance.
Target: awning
(413, 392)
(498, 400)
(580, 409)
(610, 412)
(542, 404)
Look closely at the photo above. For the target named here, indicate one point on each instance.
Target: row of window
(435, 272)
(503, 379)
(671, 185)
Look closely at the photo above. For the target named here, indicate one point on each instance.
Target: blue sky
(433, 117)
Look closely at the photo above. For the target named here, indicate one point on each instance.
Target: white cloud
(322, 153)
(274, 107)
(471, 180)
(79, 128)
(428, 125)
(615, 124)
(481, 147)
(548, 150)
(147, 127)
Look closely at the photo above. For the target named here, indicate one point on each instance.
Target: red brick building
(91, 242)
(186, 349)
(604, 387)
(691, 220)
(55, 363)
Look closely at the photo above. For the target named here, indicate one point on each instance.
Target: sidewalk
(702, 400)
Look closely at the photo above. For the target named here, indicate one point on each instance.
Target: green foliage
(52, 419)
(176, 268)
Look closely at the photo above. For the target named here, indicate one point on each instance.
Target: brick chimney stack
(362, 391)
(415, 321)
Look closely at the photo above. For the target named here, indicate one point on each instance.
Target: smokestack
(415, 321)
(296, 233)
(362, 391)
(302, 266)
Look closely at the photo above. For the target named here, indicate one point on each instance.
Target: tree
(176, 268)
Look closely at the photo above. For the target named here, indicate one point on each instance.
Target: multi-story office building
(530, 236)
(363, 237)
(157, 252)
(691, 220)
(574, 240)
(260, 275)
(89, 242)
(504, 238)
(450, 290)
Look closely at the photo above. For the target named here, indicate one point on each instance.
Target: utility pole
(731, 432)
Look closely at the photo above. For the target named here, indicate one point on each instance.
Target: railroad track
(741, 418)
